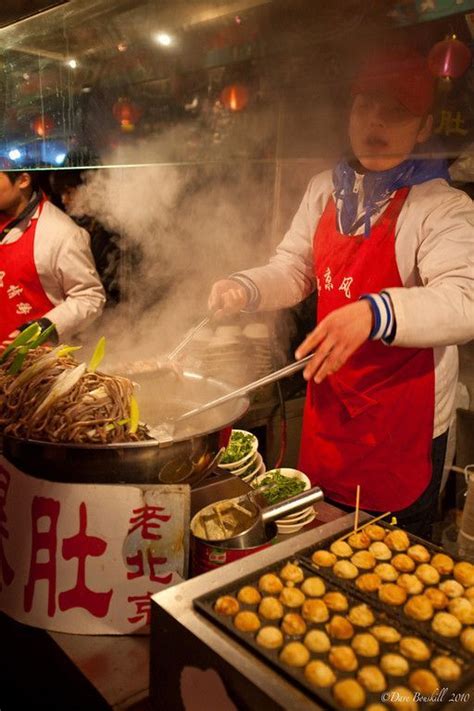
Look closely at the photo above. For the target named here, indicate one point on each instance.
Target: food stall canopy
(121, 82)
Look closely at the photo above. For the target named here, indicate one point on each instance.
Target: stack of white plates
(293, 522)
(223, 354)
(249, 466)
(258, 337)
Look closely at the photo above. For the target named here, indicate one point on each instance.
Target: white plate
(298, 516)
(233, 466)
(293, 528)
(254, 461)
(291, 474)
(250, 477)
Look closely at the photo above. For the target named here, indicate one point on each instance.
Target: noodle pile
(96, 409)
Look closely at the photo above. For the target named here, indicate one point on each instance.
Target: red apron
(22, 297)
(371, 423)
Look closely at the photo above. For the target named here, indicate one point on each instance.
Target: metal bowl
(192, 452)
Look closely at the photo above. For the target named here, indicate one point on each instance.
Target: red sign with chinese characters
(87, 558)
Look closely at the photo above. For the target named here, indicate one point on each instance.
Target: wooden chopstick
(373, 520)
(356, 517)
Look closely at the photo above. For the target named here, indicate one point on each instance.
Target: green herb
(280, 487)
(240, 445)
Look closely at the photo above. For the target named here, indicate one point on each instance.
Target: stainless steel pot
(255, 534)
(161, 395)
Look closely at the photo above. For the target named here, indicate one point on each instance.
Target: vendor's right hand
(227, 297)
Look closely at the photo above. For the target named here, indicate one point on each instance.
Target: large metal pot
(193, 450)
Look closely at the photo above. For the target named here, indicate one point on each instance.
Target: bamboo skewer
(372, 520)
(356, 517)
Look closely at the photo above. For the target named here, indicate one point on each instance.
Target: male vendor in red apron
(388, 245)
(47, 273)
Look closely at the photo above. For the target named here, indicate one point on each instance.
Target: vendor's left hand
(335, 339)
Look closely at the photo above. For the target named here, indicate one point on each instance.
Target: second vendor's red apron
(22, 297)
(371, 423)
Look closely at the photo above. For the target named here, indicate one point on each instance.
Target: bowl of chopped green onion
(241, 448)
(279, 484)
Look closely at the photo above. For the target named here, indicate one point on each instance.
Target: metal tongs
(250, 387)
(188, 337)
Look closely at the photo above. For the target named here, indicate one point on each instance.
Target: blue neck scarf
(378, 186)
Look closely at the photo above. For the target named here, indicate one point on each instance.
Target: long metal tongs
(250, 387)
(188, 337)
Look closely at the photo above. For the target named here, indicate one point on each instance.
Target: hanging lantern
(127, 114)
(42, 125)
(234, 97)
(449, 59)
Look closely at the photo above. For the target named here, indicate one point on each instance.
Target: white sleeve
(67, 272)
(440, 311)
(288, 277)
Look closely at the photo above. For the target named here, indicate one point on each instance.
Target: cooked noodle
(95, 410)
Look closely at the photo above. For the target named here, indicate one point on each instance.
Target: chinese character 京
(143, 608)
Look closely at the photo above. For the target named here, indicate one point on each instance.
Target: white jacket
(435, 256)
(66, 269)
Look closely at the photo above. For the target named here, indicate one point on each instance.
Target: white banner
(86, 558)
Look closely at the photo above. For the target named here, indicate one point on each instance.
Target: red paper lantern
(126, 113)
(235, 97)
(42, 125)
(450, 58)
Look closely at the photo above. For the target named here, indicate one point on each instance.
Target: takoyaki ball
(293, 624)
(271, 609)
(386, 572)
(294, 654)
(376, 707)
(467, 639)
(365, 645)
(323, 559)
(345, 569)
(403, 563)
(423, 681)
(291, 573)
(446, 668)
(317, 641)
(402, 699)
(361, 615)
(419, 553)
(469, 593)
(364, 560)
(446, 624)
(392, 594)
(451, 588)
(336, 601)
(319, 674)
(463, 609)
(343, 658)
(315, 611)
(443, 563)
(415, 648)
(437, 597)
(368, 582)
(349, 694)
(372, 678)
(427, 574)
(313, 587)
(375, 532)
(248, 595)
(411, 583)
(227, 605)
(292, 597)
(270, 583)
(270, 637)
(246, 621)
(340, 628)
(397, 540)
(380, 550)
(464, 573)
(359, 540)
(385, 633)
(419, 607)
(394, 664)
(341, 549)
